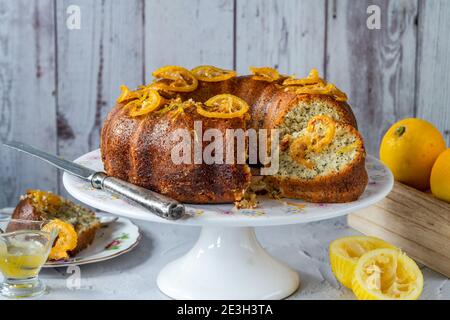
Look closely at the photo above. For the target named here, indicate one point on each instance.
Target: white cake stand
(227, 262)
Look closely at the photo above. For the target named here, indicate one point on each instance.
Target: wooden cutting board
(413, 220)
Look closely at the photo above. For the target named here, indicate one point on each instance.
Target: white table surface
(133, 275)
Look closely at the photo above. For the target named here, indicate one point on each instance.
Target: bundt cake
(321, 155)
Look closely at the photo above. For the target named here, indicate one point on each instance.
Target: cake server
(156, 203)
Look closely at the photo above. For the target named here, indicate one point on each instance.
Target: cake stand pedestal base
(227, 263)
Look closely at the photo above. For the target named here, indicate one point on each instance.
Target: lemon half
(387, 274)
(345, 252)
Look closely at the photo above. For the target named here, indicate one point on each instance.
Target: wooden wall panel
(375, 67)
(27, 101)
(288, 35)
(433, 89)
(92, 63)
(188, 33)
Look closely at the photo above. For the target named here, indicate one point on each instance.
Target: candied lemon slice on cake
(313, 78)
(345, 252)
(212, 74)
(124, 96)
(328, 90)
(315, 140)
(127, 94)
(66, 240)
(387, 274)
(132, 95)
(265, 74)
(148, 103)
(174, 78)
(313, 84)
(318, 141)
(223, 106)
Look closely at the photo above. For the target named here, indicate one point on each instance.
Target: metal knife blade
(69, 166)
(156, 203)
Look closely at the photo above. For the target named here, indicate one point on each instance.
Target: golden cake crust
(133, 150)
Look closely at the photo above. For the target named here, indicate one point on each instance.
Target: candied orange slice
(312, 141)
(212, 74)
(175, 78)
(300, 82)
(313, 89)
(329, 90)
(313, 78)
(313, 74)
(127, 94)
(124, 96)
(317, 142)
(265, 74)
(223, 106)
(66, 240)
(338, 94)
(176, 107)
(172, 104)
(149, 102)
(313, 84)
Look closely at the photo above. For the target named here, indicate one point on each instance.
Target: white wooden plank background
(375, 67)
(106, 52)
(56, 84)
(27, 100)
(288, 35)
(188, 33)
(433, 89)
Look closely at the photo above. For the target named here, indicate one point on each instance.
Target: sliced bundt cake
(321, 154)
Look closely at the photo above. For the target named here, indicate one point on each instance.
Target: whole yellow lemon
(410, 148)
(440, 177)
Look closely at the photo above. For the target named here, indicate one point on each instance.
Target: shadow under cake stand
(227, 262)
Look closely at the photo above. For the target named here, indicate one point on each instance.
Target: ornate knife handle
(156, 203)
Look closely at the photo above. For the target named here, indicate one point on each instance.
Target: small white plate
(111, 240)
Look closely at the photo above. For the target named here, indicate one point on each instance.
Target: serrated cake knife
(156, 203)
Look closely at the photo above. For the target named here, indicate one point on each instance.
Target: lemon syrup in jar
(22, 257)
(24, 248)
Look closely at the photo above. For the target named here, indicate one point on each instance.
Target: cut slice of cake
(40, 205)
(324, 159)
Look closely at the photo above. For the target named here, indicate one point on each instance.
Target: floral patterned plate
(270, 212)
(111, 240)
